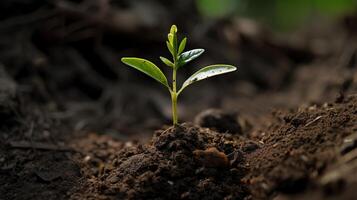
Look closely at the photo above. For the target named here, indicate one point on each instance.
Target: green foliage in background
(281, 14)
(217, 8)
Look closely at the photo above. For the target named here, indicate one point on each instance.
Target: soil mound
(189, 162)
(177, 164)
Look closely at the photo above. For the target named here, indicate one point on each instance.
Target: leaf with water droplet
(206, 72)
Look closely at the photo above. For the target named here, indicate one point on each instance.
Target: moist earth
(287, 158)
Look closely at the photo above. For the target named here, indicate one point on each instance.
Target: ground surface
(77, 124)
(189, 162)
(305, 150)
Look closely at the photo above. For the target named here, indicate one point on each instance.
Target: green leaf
(146, 67)
(174, 44)
(188, 56)
(169, 47)
(170, 37)
(182, 46)
(166, 61)
(206, 72)
(173, 29)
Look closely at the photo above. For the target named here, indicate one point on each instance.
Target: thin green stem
(174, 98)
(174, 89)
(174, 109)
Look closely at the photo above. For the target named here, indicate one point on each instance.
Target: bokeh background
(64, 56)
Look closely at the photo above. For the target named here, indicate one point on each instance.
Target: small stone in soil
(349, 144)
(211, 157)
(250, 147)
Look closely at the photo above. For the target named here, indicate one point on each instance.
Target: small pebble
(349, 144)
(113, 179)
(128, 144)
(87, 158)
(250, 147)
(211, 157)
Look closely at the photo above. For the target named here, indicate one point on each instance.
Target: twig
(313, 121)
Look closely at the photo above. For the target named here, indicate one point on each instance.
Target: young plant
(179, 59)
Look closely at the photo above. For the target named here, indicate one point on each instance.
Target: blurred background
(64, 56)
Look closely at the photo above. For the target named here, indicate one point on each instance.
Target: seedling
(179, 59)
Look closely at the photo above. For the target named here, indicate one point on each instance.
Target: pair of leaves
(153, 71)
(173, 46)
(180, 58)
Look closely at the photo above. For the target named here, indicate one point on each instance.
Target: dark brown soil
(298, 147)
(168, 169)
(287, 158)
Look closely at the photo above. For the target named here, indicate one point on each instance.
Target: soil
(74, 124)
(291, 156)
